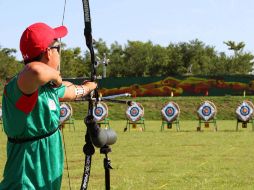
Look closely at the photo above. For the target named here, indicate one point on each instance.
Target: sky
(161, 21)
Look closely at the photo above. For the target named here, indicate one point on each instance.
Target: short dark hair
(37, 58)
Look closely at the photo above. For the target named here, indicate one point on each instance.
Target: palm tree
(234, 46)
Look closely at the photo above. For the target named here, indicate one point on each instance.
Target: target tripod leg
(144, 125)
(126, 127)
(199, 125)
(215, 125)
(177, 125)
(162, 126)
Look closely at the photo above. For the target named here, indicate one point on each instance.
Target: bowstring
(63, 17)
(64, 12)
(66, 160)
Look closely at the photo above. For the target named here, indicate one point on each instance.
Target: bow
(95, 136)
(88, 148)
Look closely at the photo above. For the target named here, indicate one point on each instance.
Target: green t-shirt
(37, 164)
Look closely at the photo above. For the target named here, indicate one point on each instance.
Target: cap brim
(60, 31)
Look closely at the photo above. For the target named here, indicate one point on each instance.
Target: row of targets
(170, 112)
(244, 111)
(100, 112)
(134, 113)
(207, 114)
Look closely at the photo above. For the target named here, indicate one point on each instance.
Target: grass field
(151, 160)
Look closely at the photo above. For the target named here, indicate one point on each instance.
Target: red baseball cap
(37, 38)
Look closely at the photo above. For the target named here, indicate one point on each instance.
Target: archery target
(170, 111)
(244, 111)
(207, 111)
(135, 112)
(100, 112)
(65, 112)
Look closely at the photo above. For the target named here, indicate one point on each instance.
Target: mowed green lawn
(151, 160)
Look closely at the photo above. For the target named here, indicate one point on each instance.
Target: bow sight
(95, 136)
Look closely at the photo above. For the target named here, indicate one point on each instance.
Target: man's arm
(35, 75)
(73, 92)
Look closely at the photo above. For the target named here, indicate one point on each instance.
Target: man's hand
(89, 85)
(58, 81)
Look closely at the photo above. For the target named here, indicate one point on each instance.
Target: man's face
(55, 49)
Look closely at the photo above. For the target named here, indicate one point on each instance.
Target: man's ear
(48, 54)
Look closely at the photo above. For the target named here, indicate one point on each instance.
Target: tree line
(138, 58)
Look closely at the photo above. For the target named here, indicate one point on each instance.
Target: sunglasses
(58, 48)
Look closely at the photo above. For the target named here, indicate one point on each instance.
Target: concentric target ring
(170, 111)
(206, 111)
(63, 112)
(98, 112)
(245, 110)
(134, 112)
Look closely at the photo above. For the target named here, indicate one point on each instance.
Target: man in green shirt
(31, 112)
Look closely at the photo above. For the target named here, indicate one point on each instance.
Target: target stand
(105, 123)
(135, 123)
(206, 124)
(170, 125)
(71, 123)
(170, 115)
(244, 113)
(206, 114)
(245, 124)
(135, 116)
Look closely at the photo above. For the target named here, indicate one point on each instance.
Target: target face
(135, 112)
(244, 111)
(100, 112)
(170, 111)
(65, 112)
(206, 111)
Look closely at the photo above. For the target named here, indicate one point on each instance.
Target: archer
(31, 112)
